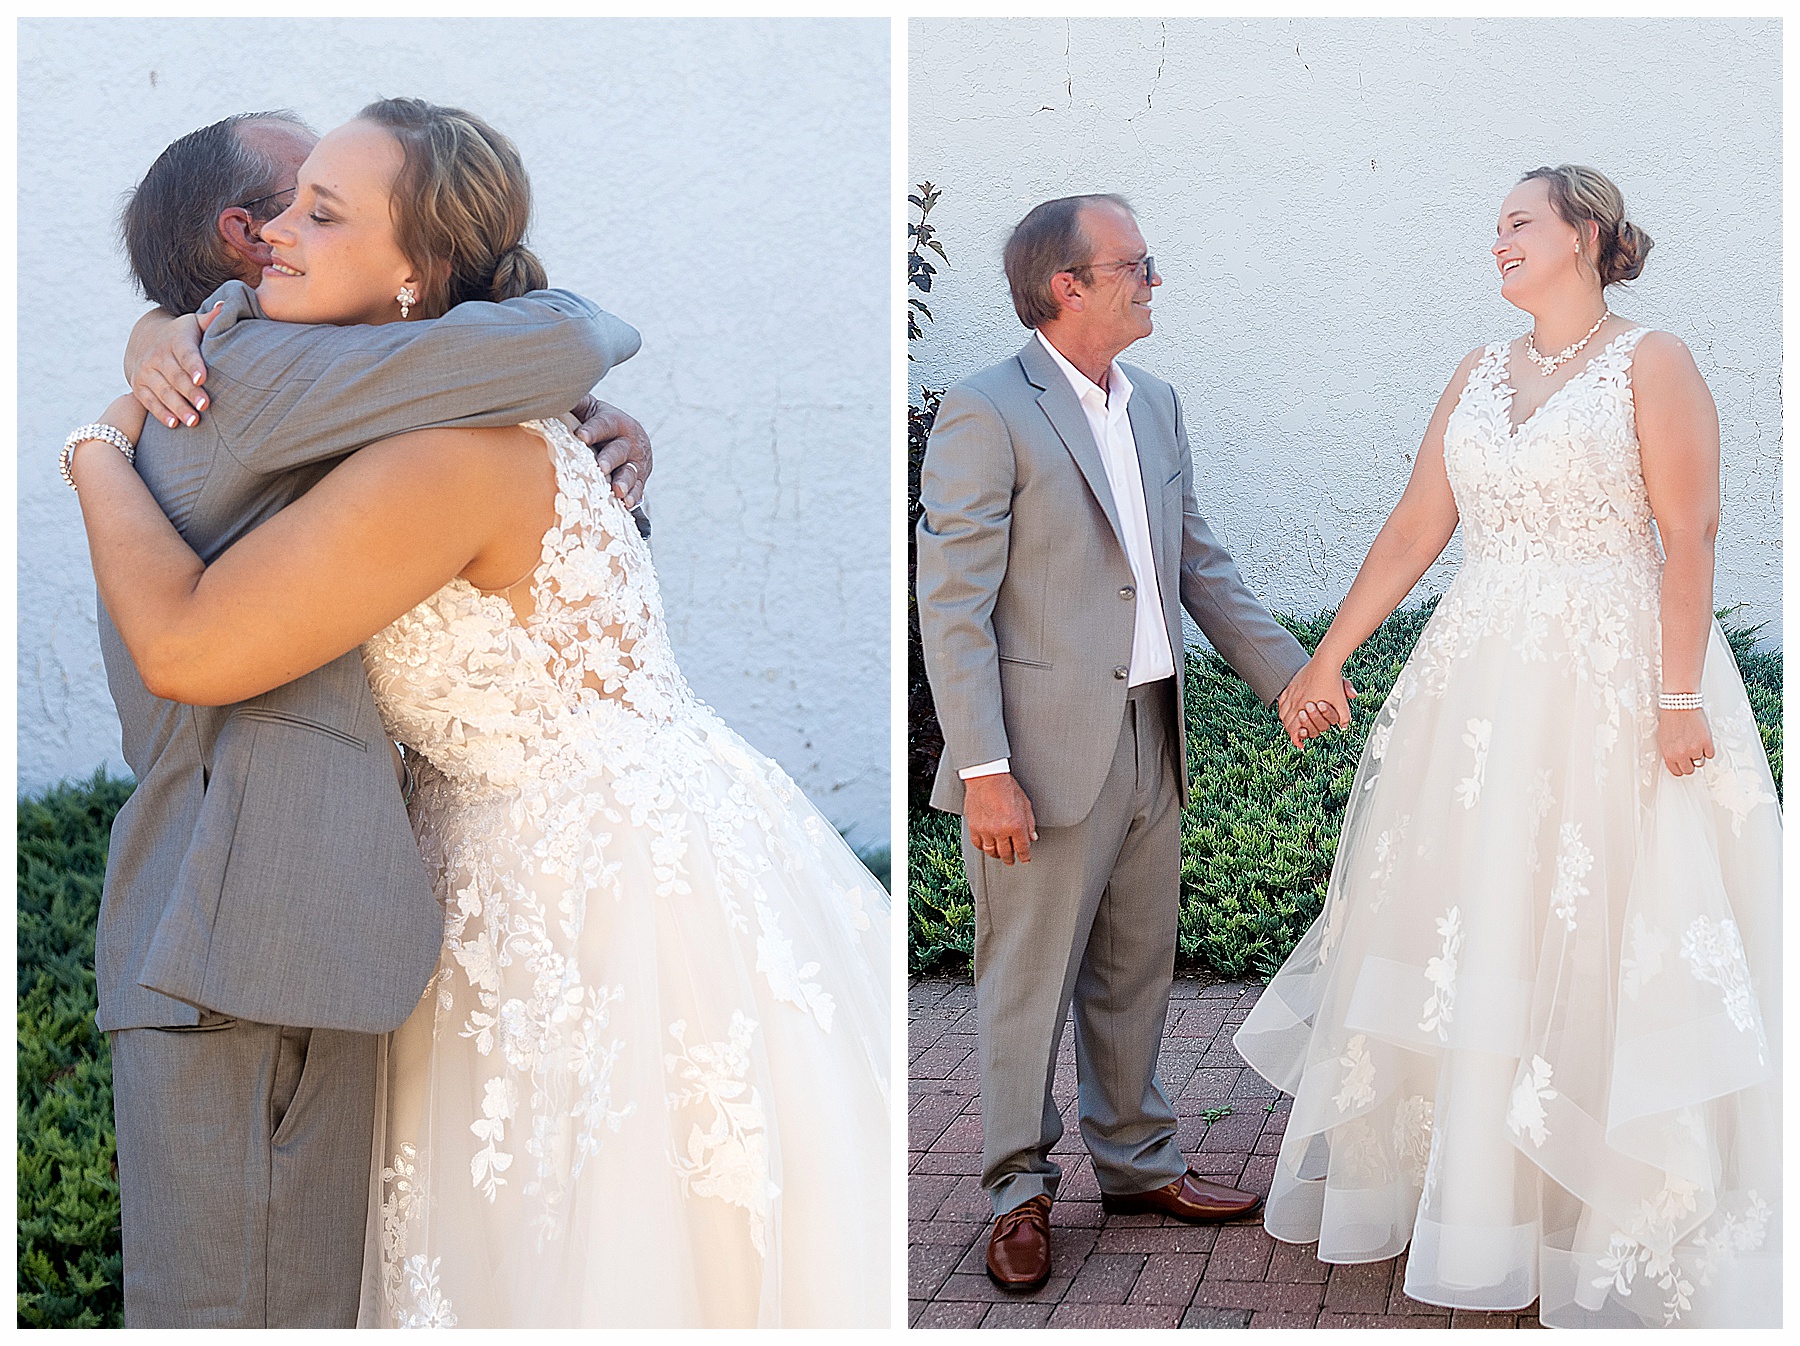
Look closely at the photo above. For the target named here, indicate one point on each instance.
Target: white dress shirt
(1151, 654)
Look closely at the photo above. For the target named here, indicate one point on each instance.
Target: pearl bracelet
(1679, 701)
(83, 434)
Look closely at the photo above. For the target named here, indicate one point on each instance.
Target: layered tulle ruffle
(1533, 1035)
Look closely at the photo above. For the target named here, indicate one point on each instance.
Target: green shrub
(1261, 827)
(1761, 666)
(69, 1268)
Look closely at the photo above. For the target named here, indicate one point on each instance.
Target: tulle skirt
(1534, 1032)
(648, 1085)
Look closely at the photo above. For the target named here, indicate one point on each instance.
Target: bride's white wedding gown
(648, 1083)
(1534, 1032)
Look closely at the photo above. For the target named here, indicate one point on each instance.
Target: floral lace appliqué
(1573, 861)
(1440, 1006)
(1525, 1115)
(1480, 734)
(1412, 1135)
(1714, 953)
(1359, 1075)
(728, 1158)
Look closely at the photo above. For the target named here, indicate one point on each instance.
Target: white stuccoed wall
(1320, 196)
(721, 185)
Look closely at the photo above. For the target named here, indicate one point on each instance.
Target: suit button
(1121, 672)
(1127, 592)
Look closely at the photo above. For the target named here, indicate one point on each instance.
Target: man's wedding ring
(1699, 761)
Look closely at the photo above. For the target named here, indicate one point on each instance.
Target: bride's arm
(1678, 442)
(381, 532)
(1414, 536)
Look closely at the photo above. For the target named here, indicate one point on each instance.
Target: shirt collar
(1085, 388)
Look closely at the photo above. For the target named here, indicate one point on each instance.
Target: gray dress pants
(1091, 919)
(244, 1153)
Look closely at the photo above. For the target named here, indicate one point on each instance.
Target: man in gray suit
(1060, 539)
(266, 912)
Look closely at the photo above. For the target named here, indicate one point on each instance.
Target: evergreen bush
(69, 1268)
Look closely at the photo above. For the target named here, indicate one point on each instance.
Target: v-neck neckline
(1512, 393)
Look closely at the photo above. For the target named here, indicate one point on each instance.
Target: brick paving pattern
(1128, 1270)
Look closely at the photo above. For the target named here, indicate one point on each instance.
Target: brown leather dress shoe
(1189, 1197)
(1018, 1255)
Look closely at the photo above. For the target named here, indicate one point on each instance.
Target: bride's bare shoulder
(1661, 350)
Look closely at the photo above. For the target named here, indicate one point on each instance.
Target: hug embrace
(1533, 1036)
(576, 1011)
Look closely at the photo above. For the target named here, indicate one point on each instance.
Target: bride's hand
(1685, 739)
(164, 368)
(1319, 696)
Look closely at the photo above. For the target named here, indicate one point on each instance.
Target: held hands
(1685, 740)
(165, 368)
(1319, 695)
(999, 817)
(621, 447)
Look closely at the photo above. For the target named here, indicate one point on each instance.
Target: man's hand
(1318, 697)
(164, 368)
(999, 817)
(621, 447)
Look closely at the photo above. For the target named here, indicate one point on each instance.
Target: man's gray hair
(1048, 240)
(170, 222)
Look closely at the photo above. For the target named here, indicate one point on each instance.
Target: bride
(1534, 1032)
(648, 1082)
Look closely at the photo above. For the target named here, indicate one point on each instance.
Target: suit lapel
(1070, 422)
(1154, 462)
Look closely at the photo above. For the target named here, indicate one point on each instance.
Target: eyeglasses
(281, 204)
(1144, 269)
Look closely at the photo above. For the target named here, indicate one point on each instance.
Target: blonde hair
(1579, 194)
(461, 204)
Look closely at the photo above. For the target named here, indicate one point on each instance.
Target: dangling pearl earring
(406, 299)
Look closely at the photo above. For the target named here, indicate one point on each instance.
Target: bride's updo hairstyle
(1581, 194)
(461, 204)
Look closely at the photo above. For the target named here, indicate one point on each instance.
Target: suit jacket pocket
(1028, 663)
(302, 898)
(271, 716)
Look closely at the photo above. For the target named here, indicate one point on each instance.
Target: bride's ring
(1699, 761)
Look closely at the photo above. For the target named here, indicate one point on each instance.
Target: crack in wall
(1069, 62)
(1162, 59)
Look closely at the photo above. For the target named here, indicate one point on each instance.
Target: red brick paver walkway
(1128, 1270)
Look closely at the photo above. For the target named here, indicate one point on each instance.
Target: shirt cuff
(995, 768)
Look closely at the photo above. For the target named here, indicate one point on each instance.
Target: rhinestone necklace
(1547, 363)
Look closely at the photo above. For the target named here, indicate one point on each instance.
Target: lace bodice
(1561, 561)
(494, 702)
(1565, 488)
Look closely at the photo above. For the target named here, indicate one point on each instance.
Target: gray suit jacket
(1026, 599)
(264, 866)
